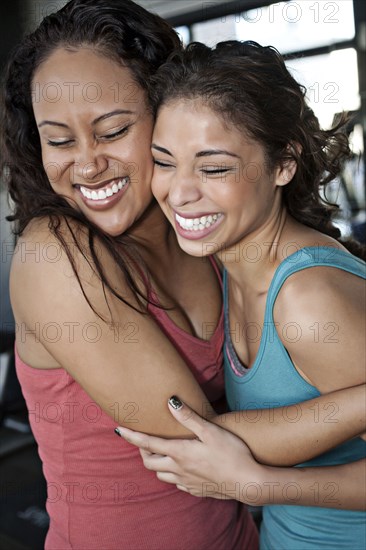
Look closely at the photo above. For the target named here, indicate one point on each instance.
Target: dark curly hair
(249, 86)
(122, 31)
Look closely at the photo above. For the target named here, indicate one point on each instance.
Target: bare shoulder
(40, 259)
(62, 269)
(321, 312)
(318, 291)
(38, 245)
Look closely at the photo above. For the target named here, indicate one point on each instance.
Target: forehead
(86, 79)
(180, 118)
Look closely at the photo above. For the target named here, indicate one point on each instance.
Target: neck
(252, 261)
(155, 239)
(152, 230)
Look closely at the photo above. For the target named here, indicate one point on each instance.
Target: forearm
(289, 435)
(340, 486)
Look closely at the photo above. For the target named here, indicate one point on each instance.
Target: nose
(90, 164)
(184, 189)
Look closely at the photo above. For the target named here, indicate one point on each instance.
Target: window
(184, 34)
(329, 89)
(297, 25)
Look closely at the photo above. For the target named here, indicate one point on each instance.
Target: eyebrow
(95, 121)
(206, 153)
(210, 152)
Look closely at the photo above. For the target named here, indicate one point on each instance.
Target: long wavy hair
(120, 30)
(249, 86)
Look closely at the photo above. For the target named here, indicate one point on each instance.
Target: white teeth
(197, 224)
(102, 194)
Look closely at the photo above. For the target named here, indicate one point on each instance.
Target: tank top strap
(225, 295)
(322, 256)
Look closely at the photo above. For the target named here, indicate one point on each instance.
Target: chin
(114, 231)
(197, 249)
(111, 227)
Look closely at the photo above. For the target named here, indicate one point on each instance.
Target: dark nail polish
(116, 431)
(175, 402)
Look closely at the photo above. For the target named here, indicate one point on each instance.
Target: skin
(42, 290)
(219, 465)
(92, 151)
(83, 138)
(250, 210)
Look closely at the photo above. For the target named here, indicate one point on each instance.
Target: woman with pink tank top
(94, 346)
(113, 318)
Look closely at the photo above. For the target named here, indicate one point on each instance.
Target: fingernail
(116, 431)
(175, 402)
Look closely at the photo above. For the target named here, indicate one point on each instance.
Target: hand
(209, 466)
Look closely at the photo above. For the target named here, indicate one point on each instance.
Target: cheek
(159, 189)
(53, 171)
(53, 166)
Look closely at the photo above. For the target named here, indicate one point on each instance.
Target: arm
(341, 486)
(45, 292)
(327, 306)
(130, 378)
(219, 465)
(321, 424)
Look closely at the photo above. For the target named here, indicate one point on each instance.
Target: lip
(108, 202)
(201, 233)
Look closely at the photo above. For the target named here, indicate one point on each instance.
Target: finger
(167, 477)
(146, 442)
(144, 454)
(188, 418)
(157, 463)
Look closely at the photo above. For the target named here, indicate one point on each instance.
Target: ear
(286, 171)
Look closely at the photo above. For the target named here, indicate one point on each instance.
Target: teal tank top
(273, 381)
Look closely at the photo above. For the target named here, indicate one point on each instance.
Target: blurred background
(324, 43)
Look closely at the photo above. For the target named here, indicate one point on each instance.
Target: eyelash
(58, 144)
(161, 164)
(217, 171)
(207, 172)
(107, 137)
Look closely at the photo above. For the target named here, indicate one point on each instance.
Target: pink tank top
(100, 496)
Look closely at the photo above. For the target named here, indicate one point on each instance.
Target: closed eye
(59, 143)
(162, 164)
(116, 134)
(107, 137)
(214, 171)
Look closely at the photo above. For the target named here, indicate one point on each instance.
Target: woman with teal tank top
(241, 168)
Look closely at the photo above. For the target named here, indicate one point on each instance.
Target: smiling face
(95, 130)
(211, 181)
